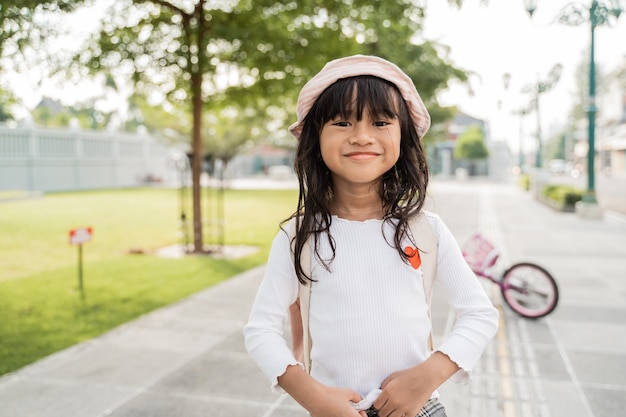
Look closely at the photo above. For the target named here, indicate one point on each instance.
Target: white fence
(37, 159)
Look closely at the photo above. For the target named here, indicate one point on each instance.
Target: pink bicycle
(527, 288)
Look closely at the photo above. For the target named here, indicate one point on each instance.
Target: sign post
(78, 237)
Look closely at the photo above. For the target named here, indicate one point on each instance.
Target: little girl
(363, 174)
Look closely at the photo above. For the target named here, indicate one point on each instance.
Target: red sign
(80, 235)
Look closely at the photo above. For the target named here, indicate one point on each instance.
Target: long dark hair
(403, 189)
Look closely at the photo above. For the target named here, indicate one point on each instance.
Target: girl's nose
(362, 134)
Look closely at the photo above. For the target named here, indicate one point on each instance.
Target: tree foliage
(471, 144)
(209, 55)
(85, 115)
(166, 121)
(7, 101)
(258, 53)
(17, 20)
(25, 25)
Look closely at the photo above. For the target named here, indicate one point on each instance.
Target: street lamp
(521, 113)
(542, 86)
(531, 6)
(597, 14)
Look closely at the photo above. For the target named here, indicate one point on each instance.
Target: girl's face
(359, 152)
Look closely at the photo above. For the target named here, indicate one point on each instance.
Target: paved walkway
(188, 360)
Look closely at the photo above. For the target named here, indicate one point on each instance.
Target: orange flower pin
(414, 256)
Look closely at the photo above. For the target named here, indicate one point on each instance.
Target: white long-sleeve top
(368, 314)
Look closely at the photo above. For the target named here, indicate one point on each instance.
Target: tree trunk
(196, 166)
(196, 36)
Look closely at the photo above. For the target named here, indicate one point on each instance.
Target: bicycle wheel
(529, 290)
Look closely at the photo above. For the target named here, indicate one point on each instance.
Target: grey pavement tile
(591, 297)
(599, 368)
(289, 407)
(550, 364)
(563, 399)
(282, 412)
(577, 279)
(106, 364)
(234, 295)
(595, 336)
(163, 405)
(568, 271)
(489, 364)
(590, 314)
(210, 306)
(523, 390)
(49, 398)
(489, 407)
(538, 331)
(220, 374)
(233, 343)
(454, 397)
(563, 248)
(171, 333)
(606, 402)
(613, 267)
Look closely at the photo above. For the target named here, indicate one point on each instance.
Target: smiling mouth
(361, 155)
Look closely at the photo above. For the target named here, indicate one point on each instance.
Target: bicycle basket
(479, 253)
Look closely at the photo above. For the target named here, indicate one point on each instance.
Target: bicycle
(527, 288)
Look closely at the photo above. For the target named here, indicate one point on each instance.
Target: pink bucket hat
(361, 65)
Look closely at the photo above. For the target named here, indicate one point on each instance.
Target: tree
(24, 27)
(620, 74)
(169, 122)
(85, 114)
(17, 25)
(209, 54)
(471, 145)
(7, 101)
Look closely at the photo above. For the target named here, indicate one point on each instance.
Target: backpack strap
(427, 245)
(304, 294)
(299, 311)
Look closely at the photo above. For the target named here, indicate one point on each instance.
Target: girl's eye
(381, 123)
(341, 123)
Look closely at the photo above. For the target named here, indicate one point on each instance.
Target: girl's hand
(318, 399)
(405, 392)
(336, 402)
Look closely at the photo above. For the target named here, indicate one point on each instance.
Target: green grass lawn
(41, 309)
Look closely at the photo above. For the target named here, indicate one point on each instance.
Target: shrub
(563, 195)
(524, 182)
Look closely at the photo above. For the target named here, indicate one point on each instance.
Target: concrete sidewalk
(188, 360)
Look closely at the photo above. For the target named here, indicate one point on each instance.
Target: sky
(488, 40)
(501, 38)
(31, 85)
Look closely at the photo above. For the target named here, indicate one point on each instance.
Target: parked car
(557, 166)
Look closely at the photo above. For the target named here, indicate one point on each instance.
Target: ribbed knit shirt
(368, 314)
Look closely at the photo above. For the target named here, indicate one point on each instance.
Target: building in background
(442, 159)
(612, 146)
